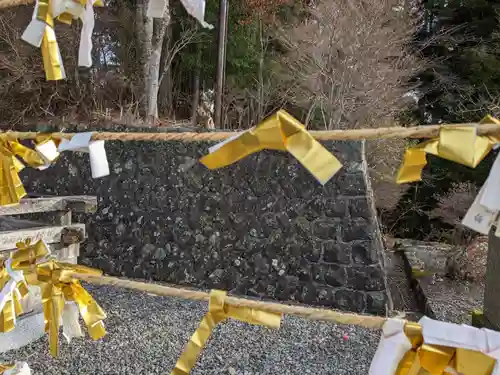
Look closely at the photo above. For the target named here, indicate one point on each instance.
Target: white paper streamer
(391, 349)
(20, 368)
(33, 34)
(493, 348)
(74, 8)
(70, 321)
(85, 48)
(48, 152)
(195, 8)
(156, 8)
(82, 143)
(449, 334)
(484, 211)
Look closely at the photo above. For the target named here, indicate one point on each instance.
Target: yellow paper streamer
(217, 312)
(52, 60)
(26, 256)
(425, 359)
(6, 366)
(57, 286)
(11, 187)
(279, 132)
(459, 144)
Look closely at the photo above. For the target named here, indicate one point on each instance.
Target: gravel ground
(453, 301)
(146, 334)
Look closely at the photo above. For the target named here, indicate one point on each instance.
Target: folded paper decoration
(82, 142)
(279, 132)
(195, 8)
(18, 368)
(218, 311)
(63, 297)
(40, 32)
(11, 154)
(483, 212)
(435, 348)
(460, 144)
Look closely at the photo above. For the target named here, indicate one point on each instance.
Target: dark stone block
(360, 207)
(336, 252)
(351, 184)
(350, 300)
(326, 229)
(312, 249)
(376, 303)
(363, 252)
(370, 278)
(358, 229)
(334, 275)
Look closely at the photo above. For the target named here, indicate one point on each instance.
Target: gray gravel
(453, 301)
(146, 334)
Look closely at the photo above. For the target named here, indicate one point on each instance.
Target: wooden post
(492, 284)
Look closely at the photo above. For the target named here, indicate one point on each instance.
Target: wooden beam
(50, 234)
(83, 204)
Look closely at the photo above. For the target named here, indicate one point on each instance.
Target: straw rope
(374, 322)
(429, 131)
(14, 3)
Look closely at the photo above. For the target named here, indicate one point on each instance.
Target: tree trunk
(195, 103)
(492, 281)
(150, 33)
(160, 26)
(144, 34)
(166, 84)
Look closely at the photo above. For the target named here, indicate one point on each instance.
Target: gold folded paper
(26, 256)
(11, 310)
(6, 366)
(460, 144)
(217, 312)
(57, 286)
(424, 359)
(11, 187)
(280, 132)
(51, 55)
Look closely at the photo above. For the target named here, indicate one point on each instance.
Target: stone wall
(263, 227)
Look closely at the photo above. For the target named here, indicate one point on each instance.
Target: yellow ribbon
(11, 187)
(425, 359)
(11, 311)
(6, 366)
(279, 132)
(51, 55)
(217, 312)
(57, 286)
(459, 144)
(25, 257)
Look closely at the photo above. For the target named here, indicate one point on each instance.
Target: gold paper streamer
(424, 359)
(11, 187)
(24, 257)
(217, 312)
(459, 144)
(279, 132)
(57, 286)
(6, 366)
